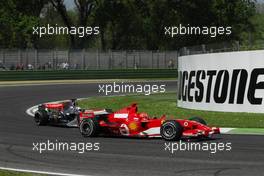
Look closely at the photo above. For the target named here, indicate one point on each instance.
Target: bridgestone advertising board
(230, 82)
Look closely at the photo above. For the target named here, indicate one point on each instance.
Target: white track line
(226, 130)
(40, 172)
(31, 111)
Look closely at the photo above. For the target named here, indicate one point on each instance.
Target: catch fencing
(31, 59)
(218, 47)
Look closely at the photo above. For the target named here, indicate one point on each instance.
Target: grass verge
(158, 104)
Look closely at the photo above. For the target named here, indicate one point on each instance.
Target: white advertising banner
(230, 82)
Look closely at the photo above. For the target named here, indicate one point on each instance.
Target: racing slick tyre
(171, 130)
(89, 128)
(198, 119)
(41, 118)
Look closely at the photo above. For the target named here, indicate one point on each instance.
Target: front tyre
(89, 128)
(171, 130)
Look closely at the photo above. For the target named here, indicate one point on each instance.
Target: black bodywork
(66, 116)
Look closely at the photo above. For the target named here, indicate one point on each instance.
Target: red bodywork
(128, 122)
(54, 106)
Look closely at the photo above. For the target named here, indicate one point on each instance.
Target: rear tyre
(171, 130)
(89, 128)
(41, 118)
(198, 119)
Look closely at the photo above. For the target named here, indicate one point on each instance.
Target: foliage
(126, 24)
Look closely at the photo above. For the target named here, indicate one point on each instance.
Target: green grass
(158, 104)
(13, 173)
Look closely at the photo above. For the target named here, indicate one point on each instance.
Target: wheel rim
(86, 128)
(169, 131)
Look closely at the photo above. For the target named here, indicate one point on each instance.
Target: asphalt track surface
(117, 156)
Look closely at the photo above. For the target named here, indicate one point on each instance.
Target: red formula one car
(128, 122)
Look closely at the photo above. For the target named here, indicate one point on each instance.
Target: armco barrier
(87, 74)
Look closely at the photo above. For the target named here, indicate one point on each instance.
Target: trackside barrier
(87, 74)
(229, 82)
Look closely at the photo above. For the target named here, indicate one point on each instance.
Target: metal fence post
(225, 48)
(4, 60)
(68, 58)
(203, 48)
(139, 58)
(158, 59)
(83, 59)
(126, 59)
(97, 60)
(56, 59)
(112, 60)
(36, 59)
(177, 59)
(53, 60)
(134, 60)
(184, 51)
(237, 45)
(109, 59)
(152, 64)
(19, 56)
(26, 58)
(165, 59)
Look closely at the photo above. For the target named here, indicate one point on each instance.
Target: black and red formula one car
(128, 122)
(64, 113)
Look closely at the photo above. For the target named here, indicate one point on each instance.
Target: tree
(84, 8)
(125, 24)
(16, 22)
(61, 9)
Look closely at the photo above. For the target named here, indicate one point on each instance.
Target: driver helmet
(143, 115)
